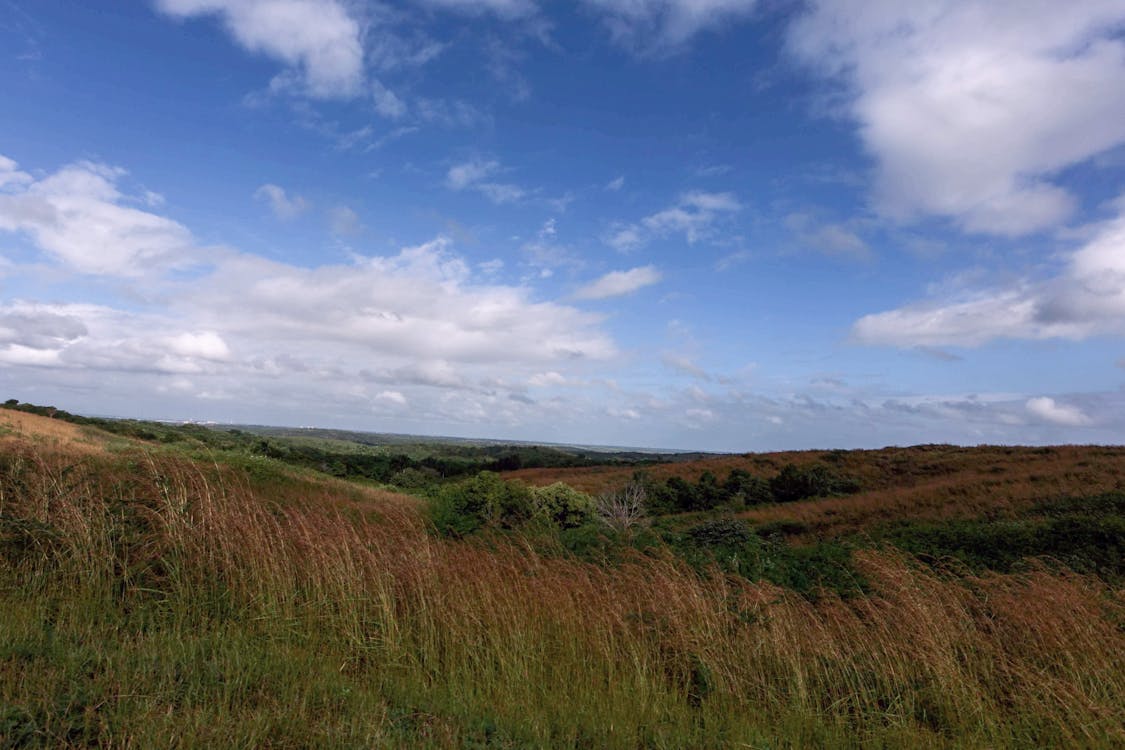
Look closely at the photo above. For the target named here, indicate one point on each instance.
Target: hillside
(923, 482)
(180, 594)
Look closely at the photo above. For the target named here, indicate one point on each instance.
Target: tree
(485, 500)
(742, 486)
(562, 505)
(622, 510)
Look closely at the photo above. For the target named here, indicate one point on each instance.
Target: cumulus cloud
(1086, 298)
(419, 322)
(11, 175)
(952, 101)
(663, 26)
(79, 217)
(283, 206)
(319, 40)
(618, 283)
(203, 345)
(1048, 410)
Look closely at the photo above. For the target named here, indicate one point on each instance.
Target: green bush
(1085, 543)
(726, 542)
(743, 487)
(562, 505)
(793, 483)
(486, 500)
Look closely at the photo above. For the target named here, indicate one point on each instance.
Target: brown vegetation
(923, 482)
(554, 652)
(16, 425)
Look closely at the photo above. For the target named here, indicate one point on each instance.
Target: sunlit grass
(148, 600)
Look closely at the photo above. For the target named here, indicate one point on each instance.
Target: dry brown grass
(926, 482)
(560, 649)
(16, 425)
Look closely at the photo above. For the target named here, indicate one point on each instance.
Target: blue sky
(712, 224)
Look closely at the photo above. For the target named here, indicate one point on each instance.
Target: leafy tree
(794, 483)
(562, 505)
(486, 500)
(683, 494)
(708, 492)
(741, 486)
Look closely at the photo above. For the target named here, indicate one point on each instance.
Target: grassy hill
(170, 593)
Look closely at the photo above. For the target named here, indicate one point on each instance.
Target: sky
(703, 224)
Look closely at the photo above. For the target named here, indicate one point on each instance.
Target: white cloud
(387, 103)
(618, 283)
(1086, 298)
(391, 397)
(546, 379)
(247, 329)
(971, 108)
(466, 174)
(474, 174)
(830, 238)
(319, 39)
(710, 202)
(545, 253)
(616, 183)
(283, 206)
(76, 215)
(661, 26)
(694, 215)
(625, 238)
(618, 413)
(204, 345)
(500, 193)
(11, 175)
(1048, 410)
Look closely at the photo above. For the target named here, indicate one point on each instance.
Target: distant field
(931, 482)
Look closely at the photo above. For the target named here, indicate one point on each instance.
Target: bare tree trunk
(622, 510)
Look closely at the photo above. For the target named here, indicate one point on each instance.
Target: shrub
(562, 505)
(726, 542)
(794, 483)
(411, 478)
(742, 487)
(485, 500)
(684, 496)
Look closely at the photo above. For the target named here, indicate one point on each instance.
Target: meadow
(161, 594)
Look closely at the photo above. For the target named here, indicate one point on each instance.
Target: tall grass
(147, 600)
